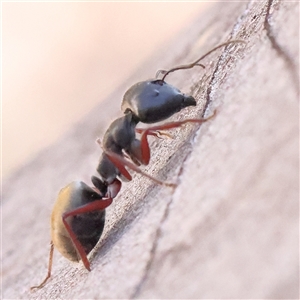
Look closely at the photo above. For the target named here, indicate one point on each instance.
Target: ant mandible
(78, 215)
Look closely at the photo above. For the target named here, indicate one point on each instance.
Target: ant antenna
(182, 67)
(195, 63)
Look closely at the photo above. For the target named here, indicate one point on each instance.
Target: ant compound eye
(188, 101)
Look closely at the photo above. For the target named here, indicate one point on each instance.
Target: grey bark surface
(230, 229)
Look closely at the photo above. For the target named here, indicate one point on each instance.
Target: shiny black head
(152, 101)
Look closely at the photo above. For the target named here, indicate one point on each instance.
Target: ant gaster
(78, 216)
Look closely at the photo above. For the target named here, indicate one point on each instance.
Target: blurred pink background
(53, 53)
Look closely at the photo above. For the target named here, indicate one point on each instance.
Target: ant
(78, 215)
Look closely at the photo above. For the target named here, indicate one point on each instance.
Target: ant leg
(120, 162)
(144, 145)
(113, 188)
(90, 207)
(156, 133)
(49, 269)
(167, 126)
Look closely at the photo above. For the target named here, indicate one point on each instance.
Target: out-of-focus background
(54, 53)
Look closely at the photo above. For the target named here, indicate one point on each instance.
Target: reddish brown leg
(93, 206)
(149, 131)
(49, 269)
(156, 133)
(113, 188)
(145, 149)
(120, 162)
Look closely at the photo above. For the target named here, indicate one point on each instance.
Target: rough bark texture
(231, 227)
